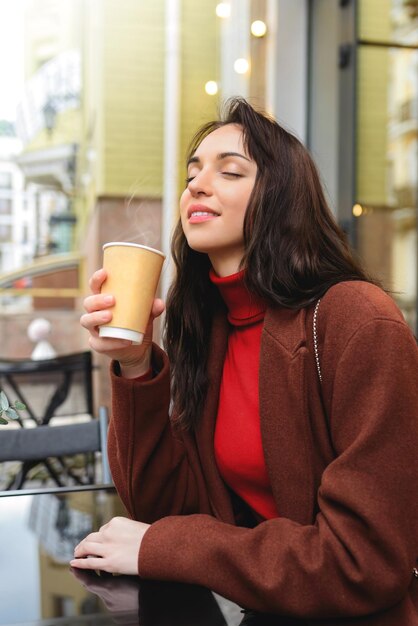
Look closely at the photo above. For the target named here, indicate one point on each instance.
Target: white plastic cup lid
(121, 333)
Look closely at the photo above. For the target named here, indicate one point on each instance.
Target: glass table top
(38, 533)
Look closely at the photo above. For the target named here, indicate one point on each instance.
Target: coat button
(415, 572)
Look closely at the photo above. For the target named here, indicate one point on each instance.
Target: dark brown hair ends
(294, 251)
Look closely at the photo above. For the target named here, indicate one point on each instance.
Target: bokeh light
(223, 9)
(241, 66)
(211, 87)
(258, 28)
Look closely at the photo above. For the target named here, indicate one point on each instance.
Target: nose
(201, 184)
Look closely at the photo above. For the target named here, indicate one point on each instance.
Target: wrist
(137, 368)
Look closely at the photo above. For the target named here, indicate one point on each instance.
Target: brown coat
(346, 485)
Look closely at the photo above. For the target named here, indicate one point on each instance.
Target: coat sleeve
(155, 473)
(358, 555)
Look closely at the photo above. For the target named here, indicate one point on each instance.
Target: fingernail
(108, 299)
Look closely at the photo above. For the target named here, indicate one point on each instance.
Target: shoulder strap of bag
(315, 339)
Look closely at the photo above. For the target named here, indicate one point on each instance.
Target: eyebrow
(219, 157)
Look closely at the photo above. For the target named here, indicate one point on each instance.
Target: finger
(95, 536)
(92, 563)
(107, 344)
(90, 547)
(92, 320)
(93, 331)
(98, 302)
(97, 280)
(157, 307)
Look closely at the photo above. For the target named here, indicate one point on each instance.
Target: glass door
(386, 146)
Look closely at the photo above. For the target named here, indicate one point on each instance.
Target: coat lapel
(205, 433)
(284, 418)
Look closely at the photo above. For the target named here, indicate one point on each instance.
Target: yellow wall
(200, 59)
(132, 97)
(373, 19)
(132, 77)
(372, 106)
(123, 106)
(372, 125)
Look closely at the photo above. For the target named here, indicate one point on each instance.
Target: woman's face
(221, 177)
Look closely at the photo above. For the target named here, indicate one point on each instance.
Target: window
(5, 206)
(386, 150)
(5, 180)
(5, 232)
(25, 234)
(363, 132)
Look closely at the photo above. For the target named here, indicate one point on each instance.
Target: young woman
(285, 476)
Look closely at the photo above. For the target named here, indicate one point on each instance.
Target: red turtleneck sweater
(238, 448)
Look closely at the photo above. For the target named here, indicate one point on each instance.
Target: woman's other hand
(114, 548)
(134, 359)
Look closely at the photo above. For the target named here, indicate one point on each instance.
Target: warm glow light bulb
(211, 87)
(258, 28)
(241, 66)
(223, 9)
(357, 210)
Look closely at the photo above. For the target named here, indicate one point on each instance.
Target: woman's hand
(134, 359)
(114, 548)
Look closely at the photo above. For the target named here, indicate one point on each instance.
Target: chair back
(36, 444)
(43, 443)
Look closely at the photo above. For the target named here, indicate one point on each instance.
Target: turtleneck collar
(244, 308)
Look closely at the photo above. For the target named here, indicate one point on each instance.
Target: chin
(198, 244)
(199, 248)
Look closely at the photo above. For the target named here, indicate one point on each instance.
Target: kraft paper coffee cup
(133, 272)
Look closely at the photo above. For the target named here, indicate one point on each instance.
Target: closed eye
(233, 174)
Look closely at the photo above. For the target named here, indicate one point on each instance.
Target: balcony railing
(19, 282)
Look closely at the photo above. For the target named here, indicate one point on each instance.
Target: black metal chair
(51, 389)
(39, 445)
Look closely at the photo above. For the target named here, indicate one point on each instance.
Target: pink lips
(196, 219)
(198, 213)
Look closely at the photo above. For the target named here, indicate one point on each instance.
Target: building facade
(16, 205)
(115, 90)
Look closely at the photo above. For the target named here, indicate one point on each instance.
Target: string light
(223, 9)
(211, 87)
(357, 210)
(241, 66)
(258, 28)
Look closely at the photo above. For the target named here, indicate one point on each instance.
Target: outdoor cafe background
(100, 97)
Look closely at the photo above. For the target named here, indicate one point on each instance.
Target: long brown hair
(294, 251)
